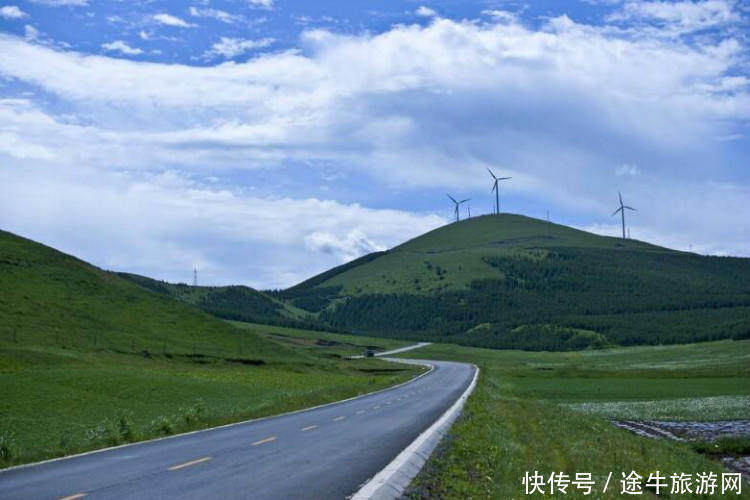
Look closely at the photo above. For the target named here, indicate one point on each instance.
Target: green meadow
(89, 359)
(550, 411)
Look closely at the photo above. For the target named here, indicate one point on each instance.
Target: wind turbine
(457, 203)
(497, 191)
(622, 213)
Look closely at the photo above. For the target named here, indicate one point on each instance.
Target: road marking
(188, 464)
(264, 441)
(309, 428)
(360, 412)
(376, 407)
(388, 403)
(338, 418)
(73, 497)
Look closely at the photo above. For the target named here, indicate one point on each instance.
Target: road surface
(395, 351)
(321, 453)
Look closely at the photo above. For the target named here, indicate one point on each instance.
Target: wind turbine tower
(622, 209)
(195, 276)
(456, 205)
(497, 191)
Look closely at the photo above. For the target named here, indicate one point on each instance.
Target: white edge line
(259, 419)
(387, 484)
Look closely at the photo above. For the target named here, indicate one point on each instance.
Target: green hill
(510, 281)
(48, 298)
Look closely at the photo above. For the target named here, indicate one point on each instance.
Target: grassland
(89, 359)
(323, 344)
(549, 412)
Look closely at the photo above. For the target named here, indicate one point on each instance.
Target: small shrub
(194, 413)
(125, 425)
(162, 425)
(108, 432)
(8, 446)
(65, 444)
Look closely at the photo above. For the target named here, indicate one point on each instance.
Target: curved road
(321, 453)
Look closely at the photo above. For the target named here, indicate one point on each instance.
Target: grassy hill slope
(90, 359)
(239, 303)
(48, 298)
(515, 282)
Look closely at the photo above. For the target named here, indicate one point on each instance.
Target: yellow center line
(188, 464)
(73, 497)
(338, 418)
(264, 441)
(309, 428)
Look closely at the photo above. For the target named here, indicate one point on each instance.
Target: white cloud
(62, 3)
(121, 47)
(30, 32)
(231, 47)
(169, 20)
(627, 169)
(12, 12)
(501, 16)
(425, 11)
(219, 15)
(413, 108)
(163, 225)
(264, 4)
(687, 15)
(144, 35)
(345, 247)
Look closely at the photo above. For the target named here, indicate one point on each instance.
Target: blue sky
(263, 141)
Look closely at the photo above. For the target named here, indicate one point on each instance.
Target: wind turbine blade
(494, 187)
(493, 175)
(464, 201)
(630, 208)
(452, 198)
(616, 211)
(620, 195)
(504, 178)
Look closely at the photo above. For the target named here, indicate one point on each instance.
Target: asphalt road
(323, 453)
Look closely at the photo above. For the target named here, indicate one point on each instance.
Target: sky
(265, 141)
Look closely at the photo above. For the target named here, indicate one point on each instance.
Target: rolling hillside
(510, 281)
(239, 303)
(90, 359)
(48, 298)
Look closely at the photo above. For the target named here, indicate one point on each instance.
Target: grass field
(324, 344)
(59, 401)
(549, 412)
(89, 359)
